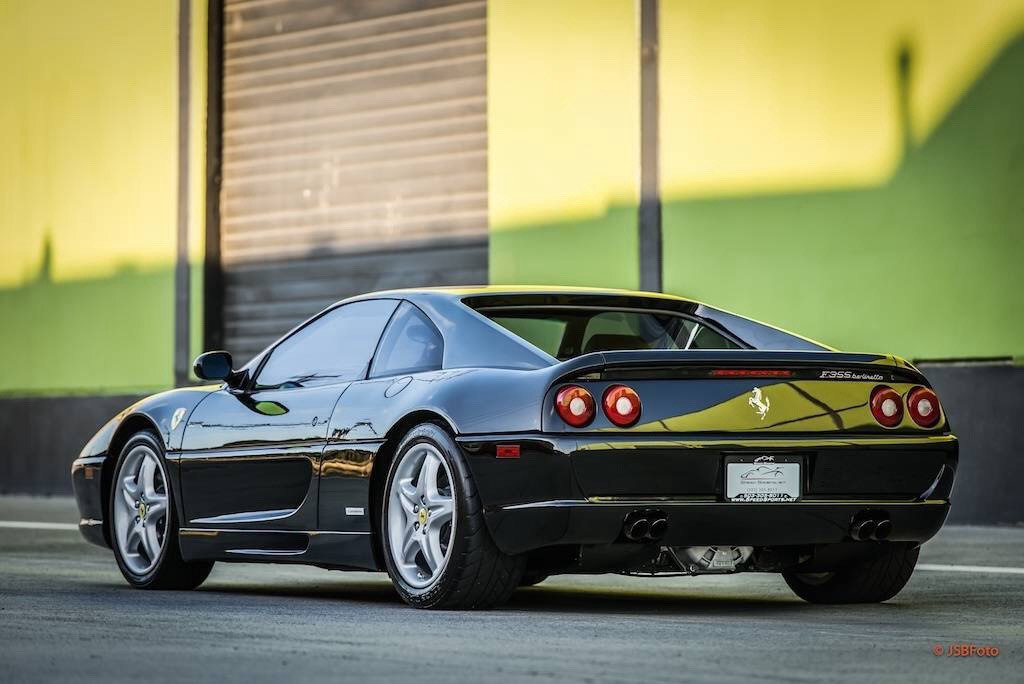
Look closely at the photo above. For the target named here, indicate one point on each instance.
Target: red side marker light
(507, 451)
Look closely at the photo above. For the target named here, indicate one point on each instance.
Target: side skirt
(341, 550)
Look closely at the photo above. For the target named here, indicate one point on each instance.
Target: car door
(411, 345)
(250, 455)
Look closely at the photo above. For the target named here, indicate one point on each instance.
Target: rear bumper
(524, 527)
(565, 489)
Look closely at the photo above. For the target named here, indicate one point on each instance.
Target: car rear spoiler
(600, 363)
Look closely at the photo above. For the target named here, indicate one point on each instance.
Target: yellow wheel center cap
(423, 516)
(142, 509)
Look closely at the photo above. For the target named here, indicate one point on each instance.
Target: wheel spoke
(433, 543)
(157, 508)
(428, 477)
(408, 497)
(134, 538)
(145, 541)
(151, 541)
(129, 497)
(130, 486)
(147, 475)
(440, 512)
(410, 545)
(431, 554)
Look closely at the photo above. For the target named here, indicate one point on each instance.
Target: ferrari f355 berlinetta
(469, 441)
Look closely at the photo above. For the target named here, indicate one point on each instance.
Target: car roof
(445, 301)
(460, 291)
(480, 342)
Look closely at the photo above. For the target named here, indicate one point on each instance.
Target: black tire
(477, 575)
(530, 579)
(873, 580)
(171, 571)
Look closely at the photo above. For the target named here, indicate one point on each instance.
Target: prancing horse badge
(760, 402)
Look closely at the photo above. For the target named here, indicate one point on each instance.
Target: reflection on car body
(369, 438)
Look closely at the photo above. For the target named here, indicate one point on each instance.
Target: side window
(706, 338)
(543, 333)
(411, 344)
(334, 348)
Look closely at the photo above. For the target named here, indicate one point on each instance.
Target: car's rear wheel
(144, 527)
(436, 546)
(531, 579)
(874, 580)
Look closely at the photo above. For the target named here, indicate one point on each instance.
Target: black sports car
(471, 441)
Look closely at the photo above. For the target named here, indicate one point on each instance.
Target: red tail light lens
(923, 405)
(575, 405)
(886, 406)
(621, 405)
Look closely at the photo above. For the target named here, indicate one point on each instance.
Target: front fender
(165, 413)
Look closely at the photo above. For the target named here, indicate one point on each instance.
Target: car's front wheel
(436, 546)
(873, 580)
(143, 524)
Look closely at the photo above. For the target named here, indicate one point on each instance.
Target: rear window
(569, 332)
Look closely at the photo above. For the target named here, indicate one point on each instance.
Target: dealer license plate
(762, 481)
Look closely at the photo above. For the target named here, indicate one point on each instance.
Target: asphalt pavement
(66, 614)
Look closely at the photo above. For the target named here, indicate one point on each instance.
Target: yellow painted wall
(801, 94)
(88, 176)
(563, 140)
(797, 190)
(796, 187)
(197, 170)
(89, 126)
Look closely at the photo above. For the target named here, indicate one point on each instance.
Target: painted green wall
(849, 171)
(926, 265)
(88, 175)
(806, 180)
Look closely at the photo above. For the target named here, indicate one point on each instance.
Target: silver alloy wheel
(140, 509)
(421, 515)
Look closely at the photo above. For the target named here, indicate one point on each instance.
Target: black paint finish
(285, 475)
(252, 457)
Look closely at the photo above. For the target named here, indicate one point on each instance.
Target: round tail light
(575, 405)
(621, 405)
(923, 406)
(887, 406)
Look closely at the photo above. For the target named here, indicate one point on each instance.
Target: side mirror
(213, 365)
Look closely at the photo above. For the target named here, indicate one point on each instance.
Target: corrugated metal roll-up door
(354, 155)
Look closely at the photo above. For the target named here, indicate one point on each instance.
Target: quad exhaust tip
(870, 526)
(638, 529)
(659, 526)
(883, 529)
(645, 525)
